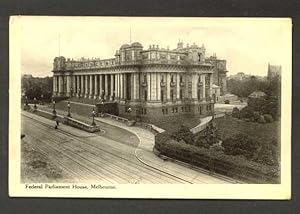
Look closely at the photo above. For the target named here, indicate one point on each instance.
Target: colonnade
(133, 86)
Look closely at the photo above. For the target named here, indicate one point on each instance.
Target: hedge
(232, 166)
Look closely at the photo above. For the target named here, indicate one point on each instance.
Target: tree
(35, 87)
(235, 112)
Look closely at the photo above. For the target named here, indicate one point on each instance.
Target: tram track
(115, 153)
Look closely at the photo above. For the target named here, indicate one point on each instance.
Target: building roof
(125, 46)
(257, 94)
(136, 44)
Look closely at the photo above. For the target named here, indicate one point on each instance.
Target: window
(172, 78)
(166, 111)
(145, 78)
(176, 110)
(172, 110)
(145, 95)
(200, 109)
(162, 95)
(180, 94)
(182, 108)
(162, 78)
(199, 94)
(163, 111)
(180, 78)
(145, 111)
(172, 94)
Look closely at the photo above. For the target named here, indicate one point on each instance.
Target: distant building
(219, 73)
(216, 91)
(27, 76)
(257, 94)
(241, 76)
(274, 71)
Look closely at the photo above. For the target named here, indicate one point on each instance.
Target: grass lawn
(174, 125)
(263, 133)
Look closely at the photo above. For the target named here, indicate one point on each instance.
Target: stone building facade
(219, 73)
(152, 84)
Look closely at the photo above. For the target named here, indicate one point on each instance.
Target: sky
(248, 44)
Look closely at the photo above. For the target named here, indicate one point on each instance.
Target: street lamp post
(35, 107)
(54, 111)
(93, 115)
(69, 106)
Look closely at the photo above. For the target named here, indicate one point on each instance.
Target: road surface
(107, 157)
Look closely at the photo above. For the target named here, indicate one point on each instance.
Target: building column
(210, 85)
(134, 86)
(117, 86)
(101, 91)
(203, 86)
(86, 82)
(96, 89)
(194, 86)
(73, 91)
(68, 86)
(149, 86)
(125, 86)
(112, 90)
(53, 86)
(168, 86)
(78, 86)
(178, 86)
(153, 86)
(121, 87)
(60, 85)
(158, 79)
(82, 86)
(105, 86)
(91, 86)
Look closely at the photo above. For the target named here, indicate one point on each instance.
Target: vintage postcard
(150, 107)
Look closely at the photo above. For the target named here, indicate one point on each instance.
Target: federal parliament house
(149, 84)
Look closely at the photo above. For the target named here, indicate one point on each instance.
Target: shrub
(240, 144)
(217, 147)
(202, 142)
(268, 118)
(261, 119)
(211, 159)
(235, 112)
(227, 102)
(256, 116)
(246, 112)
(184, 134)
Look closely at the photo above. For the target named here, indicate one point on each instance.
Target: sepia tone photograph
(139, 106)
